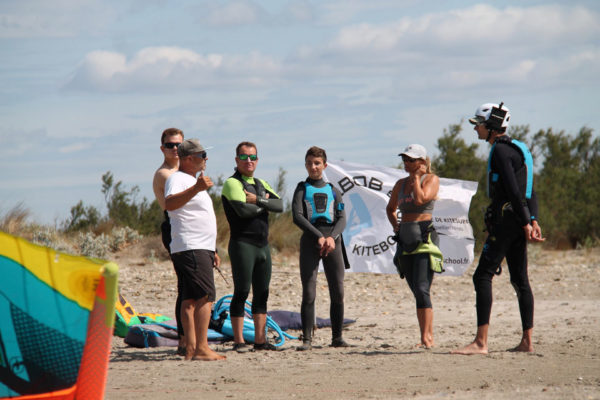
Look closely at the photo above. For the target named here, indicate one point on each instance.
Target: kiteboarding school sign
(368, 236)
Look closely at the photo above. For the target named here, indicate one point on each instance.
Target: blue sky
(87, 86)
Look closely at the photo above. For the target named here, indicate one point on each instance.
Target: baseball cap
(415, 151)
(189, 147)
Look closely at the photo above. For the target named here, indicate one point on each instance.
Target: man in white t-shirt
(193, 245)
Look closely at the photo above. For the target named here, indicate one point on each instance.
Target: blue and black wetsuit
(513, 205)
(317, 209)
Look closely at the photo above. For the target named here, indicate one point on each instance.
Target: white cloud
(371, 37)
(580, 68)
(172, 68)
(481, 26)
(478, 46)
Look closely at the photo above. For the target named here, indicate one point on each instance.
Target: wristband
(261, 201)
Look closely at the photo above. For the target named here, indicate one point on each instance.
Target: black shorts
(165, 230)
(194, 269)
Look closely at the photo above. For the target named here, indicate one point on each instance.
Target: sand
(384, 362)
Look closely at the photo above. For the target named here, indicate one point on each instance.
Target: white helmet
(495, 116)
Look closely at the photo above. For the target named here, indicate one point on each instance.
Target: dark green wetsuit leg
(250, 267)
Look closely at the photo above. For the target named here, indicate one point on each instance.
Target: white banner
(368, 236)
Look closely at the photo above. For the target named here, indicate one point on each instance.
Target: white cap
(415, 151)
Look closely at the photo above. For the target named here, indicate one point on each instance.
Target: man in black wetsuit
(511, 221)
(247, 202)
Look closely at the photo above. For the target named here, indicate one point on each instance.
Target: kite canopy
(57, 314)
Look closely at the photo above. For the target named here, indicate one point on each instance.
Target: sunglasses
(171, 145)
(244, 157)
(408, 159)
(202, 154)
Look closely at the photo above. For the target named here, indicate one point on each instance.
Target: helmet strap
(489, 134)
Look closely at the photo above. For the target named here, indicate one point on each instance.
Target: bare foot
(524, 347)
(207, 355)
(472, 348)
(216, 357)
(425, 346)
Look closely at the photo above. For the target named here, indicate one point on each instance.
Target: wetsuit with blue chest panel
(317, 209)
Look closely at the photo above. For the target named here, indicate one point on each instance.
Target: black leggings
(506, 240)
(333, 265)
(250, 266)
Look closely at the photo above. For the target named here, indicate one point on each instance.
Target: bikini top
(407, 205)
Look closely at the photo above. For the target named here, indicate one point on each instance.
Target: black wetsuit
(333, 264)
(249, 249)
(508, 213)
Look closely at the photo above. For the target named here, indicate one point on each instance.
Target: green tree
(150, 217)
(121, 205)
(567, 186)
(123, 210)
(82, 218)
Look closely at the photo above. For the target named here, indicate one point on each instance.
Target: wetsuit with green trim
(318, 210)
(416, 267)
(513, 205)
(249, 250)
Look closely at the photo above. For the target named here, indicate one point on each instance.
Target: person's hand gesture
(203, 182)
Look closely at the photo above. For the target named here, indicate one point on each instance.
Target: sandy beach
(384, 362)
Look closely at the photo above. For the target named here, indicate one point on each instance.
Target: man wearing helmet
(510, 220)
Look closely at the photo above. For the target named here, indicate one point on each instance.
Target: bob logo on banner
(368, 236)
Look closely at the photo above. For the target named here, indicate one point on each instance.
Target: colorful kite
(56, 321)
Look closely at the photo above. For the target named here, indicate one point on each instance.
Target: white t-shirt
(193, 226)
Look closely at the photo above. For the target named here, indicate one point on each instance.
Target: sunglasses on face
(408, 159)
(171, 145)
(202, 155)
(245, 157)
